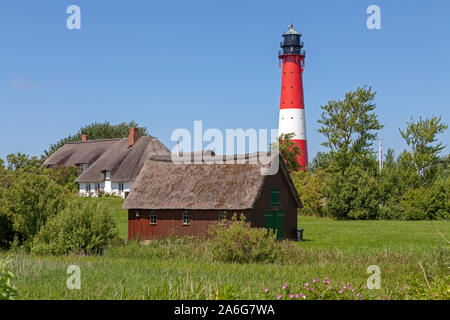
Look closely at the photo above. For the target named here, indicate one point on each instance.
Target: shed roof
(166, 183)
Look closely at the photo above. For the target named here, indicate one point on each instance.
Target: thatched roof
(115, 155)
(166, 183)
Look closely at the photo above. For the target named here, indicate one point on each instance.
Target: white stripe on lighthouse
(292, 120)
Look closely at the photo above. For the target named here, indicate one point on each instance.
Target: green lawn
(339, 250)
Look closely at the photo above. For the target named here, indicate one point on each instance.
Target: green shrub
(309, 187)
(352, 194)
(84, 226)
(236, 241)
(7, 290)
(26, 205)
(427, 203)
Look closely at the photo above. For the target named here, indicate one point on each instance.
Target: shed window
(121, 187)
(153, 217)
(274, 197)
(97, 187)
(186, 218)
(222, 215)
(88, 187)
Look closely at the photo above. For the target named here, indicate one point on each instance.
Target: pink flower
(303, 296)
(307, 284)
(284, 287)
(266, 289)
(291, 296)
(279, 296)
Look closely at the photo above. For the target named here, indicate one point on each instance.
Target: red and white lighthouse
(292, 107)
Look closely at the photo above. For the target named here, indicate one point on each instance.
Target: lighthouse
(292, 106)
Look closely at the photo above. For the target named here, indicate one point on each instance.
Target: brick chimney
(133, 136)
(84, 137)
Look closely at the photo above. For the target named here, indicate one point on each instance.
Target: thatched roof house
(170, 196)
(109, 165)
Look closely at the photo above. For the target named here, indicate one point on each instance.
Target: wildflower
(284, 287)
(307, 284)
(279, 296)
(340, 291)
(304, 296)
(296, 296)
(266, 289)
(314, 280)
(291, 296)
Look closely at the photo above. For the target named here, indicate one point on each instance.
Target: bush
(26, 205)
(427, 203)
(236, 241)
(352, 194)
(7, 290)
(83, 226)
(309, 187)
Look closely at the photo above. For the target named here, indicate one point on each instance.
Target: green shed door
(274, 219)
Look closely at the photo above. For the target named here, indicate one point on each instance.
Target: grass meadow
(413, 259)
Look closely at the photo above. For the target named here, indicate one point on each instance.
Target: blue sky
(166, 64)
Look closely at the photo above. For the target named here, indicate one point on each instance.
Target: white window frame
(153, 218)
(88, 187)
(121, 186)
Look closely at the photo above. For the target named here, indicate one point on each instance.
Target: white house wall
(109, 187)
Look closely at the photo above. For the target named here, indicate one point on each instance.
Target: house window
(97, 187)
(186, 218)
(84, 166)
(121, 187)
(274, 197)
(107, 175)
(222, 215)
(88, 187)
(153, 217)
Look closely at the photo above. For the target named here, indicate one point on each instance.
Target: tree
(421, 137)
(289, 150)
(95, 131)
(309, 186)
(26, 205)
(22, 162)
(349, 127)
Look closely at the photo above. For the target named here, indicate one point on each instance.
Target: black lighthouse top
(292, 43)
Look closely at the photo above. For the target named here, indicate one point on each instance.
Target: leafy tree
(64, 176)
(95, 131)
(421, 137)
(352, 194)
(26, 205)
(309, 186)
(23, 162)
(427, 202)
(320, 161)
(349, 127)
(289, 150)
(84, 226)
